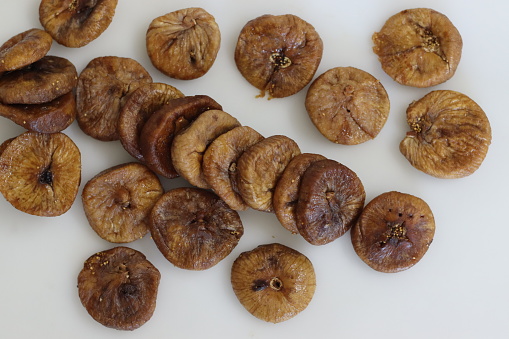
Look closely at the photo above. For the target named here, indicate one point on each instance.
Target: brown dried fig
(103, 87)
(331, 198)
(40, 173)
(118, 201)
(450, 135)
(75, 23)
(193, 228)
(220, 163)
(189, 145)
(393, 232)
(260, 167)
(158, 132)
(278, 54)
(419, 47)
(40, 82)
(273, 282)
(136, 110)
(183, 44)
(347, 105)
(118, 288)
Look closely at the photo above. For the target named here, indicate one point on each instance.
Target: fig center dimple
(128, 289)
(280, 60)
(46, 177)
(397, 231)
(122, 198)
(276, 284)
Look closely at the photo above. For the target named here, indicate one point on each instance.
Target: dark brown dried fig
(75, 23)
(193, 228)
(189, 145)
(347, 105)
(183, 44)
(286, 192)
(278, 54)
(419, 47)
(40, 173)
(158, 132)
(103, 87)
(220, 163)
(331, 198)
(273, 282)
(118, 288)
(260, 167)
(393, 232)
(137, 109)
(40, 82)
(450, 135)
(118, 201)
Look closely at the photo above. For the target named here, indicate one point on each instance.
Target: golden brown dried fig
(189, 145)
(193, 228)
(273, 282)
(450, 135)
(393, 232)
(278, 54)
(118, 288)
(40, 173)
(419, 47)
(118, 201)
(347, 105)
(75, 23)
(184, 44)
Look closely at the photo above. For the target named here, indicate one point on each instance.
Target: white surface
(460, 289)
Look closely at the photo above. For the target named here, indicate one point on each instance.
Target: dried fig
(331, 198)
(118, 288)
(193, 228)
(189, 145)
(158, 132)
(278, 54)
(220, 163)
(136, 110)
(40, 173)
(286, 192)
(418, 47)
(260, 167)
(183, 44)
(103, 87)
(450, 135)
(118, 201)
(273, 282)
(393, 232)
(75, 23)
(347, 105)
(40, 82)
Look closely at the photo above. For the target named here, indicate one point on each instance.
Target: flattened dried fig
(450, 135)
(118, 288)
(393, 232)
(331, 198)
(273, 282)
(418, 47)
(103, 87)
(193, 228)
(260, 167)
(24, 49)
(158, 132)
(136, 110)
(75, 23)
(40, 173)
(118, 201)
(220, 163)
(278, 54)
(347, 105)
(183, 44)
(40, 82)
(286, 192)
(189, 145)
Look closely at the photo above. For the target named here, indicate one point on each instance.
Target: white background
(460, 289)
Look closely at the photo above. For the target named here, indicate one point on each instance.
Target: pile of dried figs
(232, 167)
